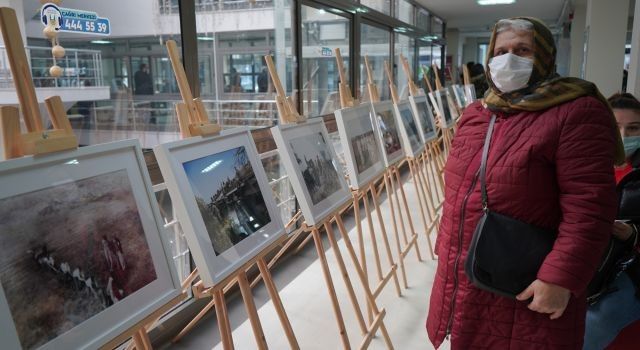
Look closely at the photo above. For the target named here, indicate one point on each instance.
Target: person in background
(554, 143)
(142, 79)
(621, 307)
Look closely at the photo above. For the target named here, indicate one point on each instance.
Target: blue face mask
(631, 144)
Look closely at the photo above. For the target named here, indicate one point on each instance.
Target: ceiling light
(206, 38)
(495, 2)
(101, 42)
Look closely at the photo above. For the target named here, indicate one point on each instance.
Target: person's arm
(584, 168)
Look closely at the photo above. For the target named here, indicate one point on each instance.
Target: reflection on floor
(302, 289)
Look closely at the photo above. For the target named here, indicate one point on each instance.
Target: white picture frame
(359, 140)
(446, 107)
(388, 131)
(221, 235)
(299, 143)
(412, 142)
(424, 118)
(60, 212)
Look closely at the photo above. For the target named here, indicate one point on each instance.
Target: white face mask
(510, 72)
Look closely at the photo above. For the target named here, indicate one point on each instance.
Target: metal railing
(125, 113)
(171, 7)
(80, 68)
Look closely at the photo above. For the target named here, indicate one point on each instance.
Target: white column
(606, 32)
(633, 82)
(578, 26)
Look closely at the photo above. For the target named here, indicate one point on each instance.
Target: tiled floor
(304, 295)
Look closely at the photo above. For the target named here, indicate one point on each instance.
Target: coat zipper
(457, 261)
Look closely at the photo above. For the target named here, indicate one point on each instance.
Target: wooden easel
(38, 141)
(359, 194)
(286, 108)
(346, 99)
(194, 121)
(416, 174)
(432, 177)
(391, 194)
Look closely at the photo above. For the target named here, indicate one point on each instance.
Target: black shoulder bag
(505, 253)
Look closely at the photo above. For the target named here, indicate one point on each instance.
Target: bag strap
(483, 164)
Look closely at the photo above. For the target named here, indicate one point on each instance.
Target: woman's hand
(622, 231)
(547, 298)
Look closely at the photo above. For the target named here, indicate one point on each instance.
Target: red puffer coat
(552, 169)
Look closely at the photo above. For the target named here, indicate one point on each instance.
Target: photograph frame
(470, 93)
(449, 114)
(213, 267)
(404, 114)
(379, 108)
(68, 168)
(354, 122)
(460, 97)
(431, 134)
(313, 212)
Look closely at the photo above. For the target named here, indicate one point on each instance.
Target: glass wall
(374, 44)
(383, 6)
(405, 11)
(423, 20)
(404, 45)
(321, 33)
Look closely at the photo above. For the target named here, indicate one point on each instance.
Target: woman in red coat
(553, 147)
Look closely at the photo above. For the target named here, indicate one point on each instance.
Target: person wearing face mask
(620, 306)
(553, 139)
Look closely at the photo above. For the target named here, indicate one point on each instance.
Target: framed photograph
(315, 174)
(470, 93)
(446, 107)
(360, 143)
(222, 200)
(425, 121)
(409, 133)
(388, 132)
(83, 254)
(281, 186)
(460, 97)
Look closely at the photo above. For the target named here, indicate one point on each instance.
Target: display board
(409, 133)
(82, 248)
(388, 131)
(424, 117)
(317, 178)
(222, 199)
(362, 152)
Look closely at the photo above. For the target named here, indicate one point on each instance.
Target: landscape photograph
(448, 118)
(410, 127)
(316, 166)
(69, 252)
(425, 120)
(228, 197)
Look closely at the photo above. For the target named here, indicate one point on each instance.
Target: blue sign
(74, 21)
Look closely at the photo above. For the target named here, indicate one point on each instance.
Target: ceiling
(467, 15)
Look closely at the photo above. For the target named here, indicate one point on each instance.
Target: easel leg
(223, 319)
(193, 322)
(432, 215)
(374, 243)
(142, 341)
(250, 306)
(363, 256)
(365, 285)
(395, 231)
(330, 287)
(395, 179)
(422, 211)
(414, 235)
(278, 255)
(385, 240)
(277, 303)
